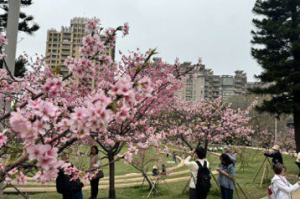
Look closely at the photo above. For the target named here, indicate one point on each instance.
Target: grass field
(253, 160)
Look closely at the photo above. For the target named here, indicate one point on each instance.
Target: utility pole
(11, 48)
(12, 33)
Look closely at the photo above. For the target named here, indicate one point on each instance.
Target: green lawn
(83, 162)
(244, 178)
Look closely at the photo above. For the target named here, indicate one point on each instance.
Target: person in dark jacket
(155, 171)
(69, 189)
(164, 170)
(276, 155)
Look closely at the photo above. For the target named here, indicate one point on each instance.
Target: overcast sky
(216, 30)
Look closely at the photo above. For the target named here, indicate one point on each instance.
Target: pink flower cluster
(92, 45)
(3, 138)
(92, 118)
(109, 33)
(3, 40)
(81, 68)
(53, 86)
(15, 177)
(92, 25)
(46, 157)
(125, 29)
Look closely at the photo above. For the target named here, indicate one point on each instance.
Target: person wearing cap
(275, 155)
(155, 171)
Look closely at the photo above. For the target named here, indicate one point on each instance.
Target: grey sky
(216, 30)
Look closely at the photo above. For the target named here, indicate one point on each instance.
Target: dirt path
(127, 180)
(296, 195)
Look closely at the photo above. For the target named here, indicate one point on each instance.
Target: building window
(227, 81)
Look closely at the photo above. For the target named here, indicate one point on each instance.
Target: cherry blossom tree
(285, 139)
(195, 123)
(133, 129)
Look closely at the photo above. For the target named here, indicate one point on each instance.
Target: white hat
(276, 147)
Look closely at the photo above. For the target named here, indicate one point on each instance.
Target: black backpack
(203, 184)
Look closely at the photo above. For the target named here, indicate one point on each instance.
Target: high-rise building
(66, 42)
(203, 84)
(224, 85)
(193, 89)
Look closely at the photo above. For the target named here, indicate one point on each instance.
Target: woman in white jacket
(282, 189)
(298, 163)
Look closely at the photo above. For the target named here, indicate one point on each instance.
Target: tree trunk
(112, 191)
(147, 179)
(297, 128)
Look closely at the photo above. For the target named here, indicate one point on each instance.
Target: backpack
(203, 184)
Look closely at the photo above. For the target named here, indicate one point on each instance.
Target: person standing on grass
(155, 171)
(226, 177)
(95, 163)
(298, 163)
(174, 157)
(275, 155)
(163, 170)
(70, 189)
(232, 154)
(281, 188)
(198, 167)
